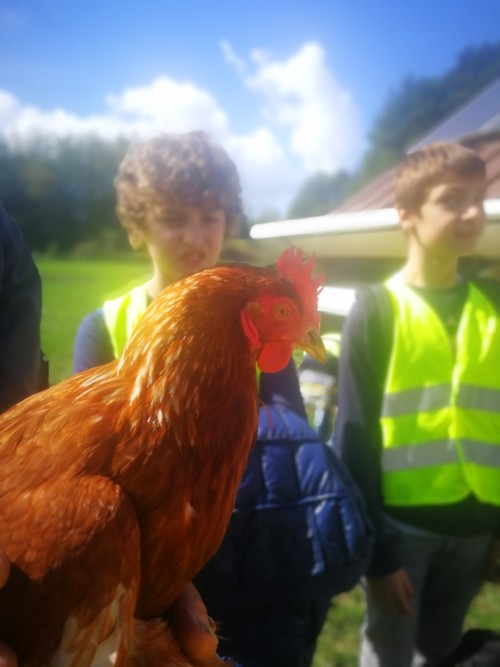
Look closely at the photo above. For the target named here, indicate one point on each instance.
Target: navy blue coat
(285, 537)
(20, 315)
(295, 539)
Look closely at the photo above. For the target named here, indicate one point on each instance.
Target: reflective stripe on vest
(436, 397)
(441, 414)
(122, 314)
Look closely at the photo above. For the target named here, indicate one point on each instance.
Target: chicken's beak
(313, 345)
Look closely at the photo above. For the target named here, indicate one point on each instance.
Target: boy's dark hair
(185, 169)
(422, 169)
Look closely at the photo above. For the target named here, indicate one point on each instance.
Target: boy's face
(183, 239)
(450, 220)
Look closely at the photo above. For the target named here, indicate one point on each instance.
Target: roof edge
(342, 223)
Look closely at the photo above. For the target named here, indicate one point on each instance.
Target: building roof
(476, 125)
(379, 193)
(481, 114)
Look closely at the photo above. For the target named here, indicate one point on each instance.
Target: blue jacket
(288, 535)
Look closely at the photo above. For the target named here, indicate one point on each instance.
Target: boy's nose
(192, 230)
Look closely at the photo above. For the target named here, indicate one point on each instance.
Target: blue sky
(289, 88)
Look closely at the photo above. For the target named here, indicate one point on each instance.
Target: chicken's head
(276, 323)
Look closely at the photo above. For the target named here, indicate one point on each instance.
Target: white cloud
(19, 122)
(269, 180)
(169, 105)
(302, 95)
(8, 107)
(309, 123)
(231, 57)
(165, 105)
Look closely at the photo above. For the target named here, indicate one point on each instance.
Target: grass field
(338, 644)
(71, 289)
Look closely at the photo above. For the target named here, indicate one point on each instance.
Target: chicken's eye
(282, 311)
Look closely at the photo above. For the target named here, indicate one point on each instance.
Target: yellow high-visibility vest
(440, 416)
(122, 314)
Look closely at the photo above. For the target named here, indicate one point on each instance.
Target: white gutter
(492, 208)
(341, 223)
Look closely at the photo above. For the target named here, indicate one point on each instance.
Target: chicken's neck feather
(191, 409)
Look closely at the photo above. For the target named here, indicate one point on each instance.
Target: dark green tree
(320, 194)
(60, 190)
(419, 104)
(411, 110)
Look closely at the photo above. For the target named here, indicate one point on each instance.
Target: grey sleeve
(92, 344)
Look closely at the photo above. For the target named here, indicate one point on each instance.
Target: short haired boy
(418, 423)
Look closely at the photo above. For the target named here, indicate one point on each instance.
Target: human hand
(193, 628)
(493, 562)
(393, 592)
(7, 656)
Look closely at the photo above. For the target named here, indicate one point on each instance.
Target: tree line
(412, 109)
(61, 190)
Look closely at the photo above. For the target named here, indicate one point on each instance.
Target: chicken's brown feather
(150, 448)
(68, 550)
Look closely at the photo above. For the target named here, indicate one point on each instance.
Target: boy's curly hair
(421, 170)
(185, 169)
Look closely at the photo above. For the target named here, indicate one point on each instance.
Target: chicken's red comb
(299, 273)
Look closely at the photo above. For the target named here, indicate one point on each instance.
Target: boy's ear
(136, 237)
(406, 221)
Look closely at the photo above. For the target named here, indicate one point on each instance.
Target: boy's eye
(213, 217)
(171, 222)
(452, 199)
(160, 217)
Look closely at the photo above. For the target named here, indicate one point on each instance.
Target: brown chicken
(117, 484)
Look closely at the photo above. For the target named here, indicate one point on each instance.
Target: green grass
(339, 642)
(72, 289)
